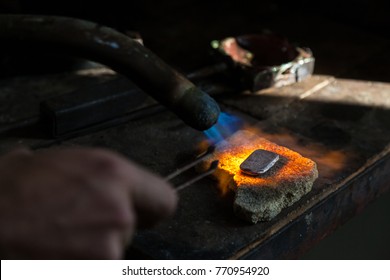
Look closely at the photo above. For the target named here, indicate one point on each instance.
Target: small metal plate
(259, 162)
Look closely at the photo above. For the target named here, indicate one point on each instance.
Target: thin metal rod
(213, 167)
(174, 174)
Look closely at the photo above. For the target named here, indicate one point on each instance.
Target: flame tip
(226, 125)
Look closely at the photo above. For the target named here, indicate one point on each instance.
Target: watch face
(259, 162)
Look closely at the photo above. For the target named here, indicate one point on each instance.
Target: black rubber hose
(119, 52)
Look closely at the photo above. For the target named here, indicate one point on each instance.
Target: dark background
(350, 39)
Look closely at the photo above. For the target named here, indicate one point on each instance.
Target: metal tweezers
(181, 170)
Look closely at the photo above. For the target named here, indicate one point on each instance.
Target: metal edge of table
(318, 220)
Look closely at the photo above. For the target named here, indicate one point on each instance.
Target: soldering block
(262, 197)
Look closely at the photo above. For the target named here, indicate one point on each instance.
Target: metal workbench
(343, 125)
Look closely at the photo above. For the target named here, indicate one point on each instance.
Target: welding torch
(119, 52)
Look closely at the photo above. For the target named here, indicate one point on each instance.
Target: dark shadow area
(363, 237)
(345, 38)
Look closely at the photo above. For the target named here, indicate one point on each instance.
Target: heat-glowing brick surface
(261, 198)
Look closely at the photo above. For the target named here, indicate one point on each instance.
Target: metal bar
(19, 124)
(91, 105)
(213, 167)
(179, 171)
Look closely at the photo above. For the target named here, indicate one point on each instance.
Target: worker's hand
(75, 203)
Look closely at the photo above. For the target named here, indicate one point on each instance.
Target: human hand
(75, 203)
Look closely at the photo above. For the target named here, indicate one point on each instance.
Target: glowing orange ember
(232, 152)
(262, 197)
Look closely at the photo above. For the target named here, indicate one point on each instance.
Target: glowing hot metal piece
(259, 162)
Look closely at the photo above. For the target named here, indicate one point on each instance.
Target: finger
(154, 199)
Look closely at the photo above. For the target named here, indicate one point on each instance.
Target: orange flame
(235, 149)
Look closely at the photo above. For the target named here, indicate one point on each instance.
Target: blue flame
(226, 125)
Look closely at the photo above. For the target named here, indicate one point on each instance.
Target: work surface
(343, 125)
